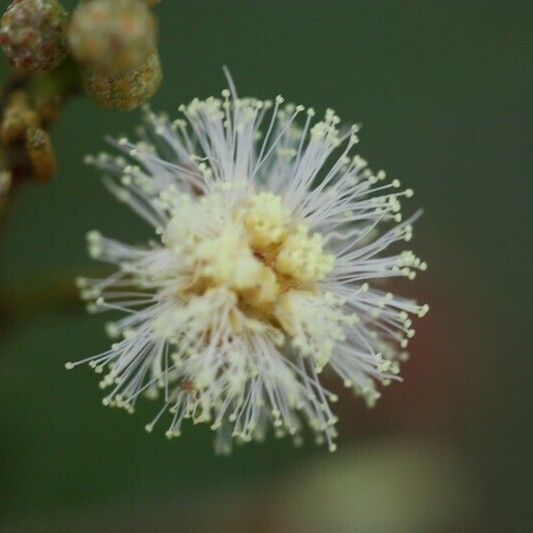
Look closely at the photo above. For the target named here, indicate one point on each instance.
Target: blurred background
(443, 90)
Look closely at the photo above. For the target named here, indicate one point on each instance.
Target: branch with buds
(106, 50)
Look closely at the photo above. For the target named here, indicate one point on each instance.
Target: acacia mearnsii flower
(264, 273)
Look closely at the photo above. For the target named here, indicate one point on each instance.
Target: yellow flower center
(257, 252)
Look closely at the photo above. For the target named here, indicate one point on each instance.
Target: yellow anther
(266, 219)
(229, 261)
(302, 256)
(265, 292)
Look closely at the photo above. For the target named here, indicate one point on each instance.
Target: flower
(264, 272)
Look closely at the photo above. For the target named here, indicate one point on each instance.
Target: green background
(443, 90)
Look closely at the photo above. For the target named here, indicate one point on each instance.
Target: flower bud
(112, 37)
(18, 117)
(41, 154)
(125, 91)
(33, 34)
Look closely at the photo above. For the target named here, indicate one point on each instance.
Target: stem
(22, 304)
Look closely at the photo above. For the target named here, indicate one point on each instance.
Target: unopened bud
(112, 37)
(126, 91)
(19, 116)
(41, 154)
(33, 34)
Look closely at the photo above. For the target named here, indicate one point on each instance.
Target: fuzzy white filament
(262, 273)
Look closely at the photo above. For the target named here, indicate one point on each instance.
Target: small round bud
(33, 34)
(126, 91)
(112, 37)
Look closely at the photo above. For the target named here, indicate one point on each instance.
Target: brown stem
(22, 303)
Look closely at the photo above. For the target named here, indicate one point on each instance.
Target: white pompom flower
(264, 273)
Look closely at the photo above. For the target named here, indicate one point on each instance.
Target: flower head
(264, 270)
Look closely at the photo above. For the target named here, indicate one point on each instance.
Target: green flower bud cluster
(106, 49)
(113, 42)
